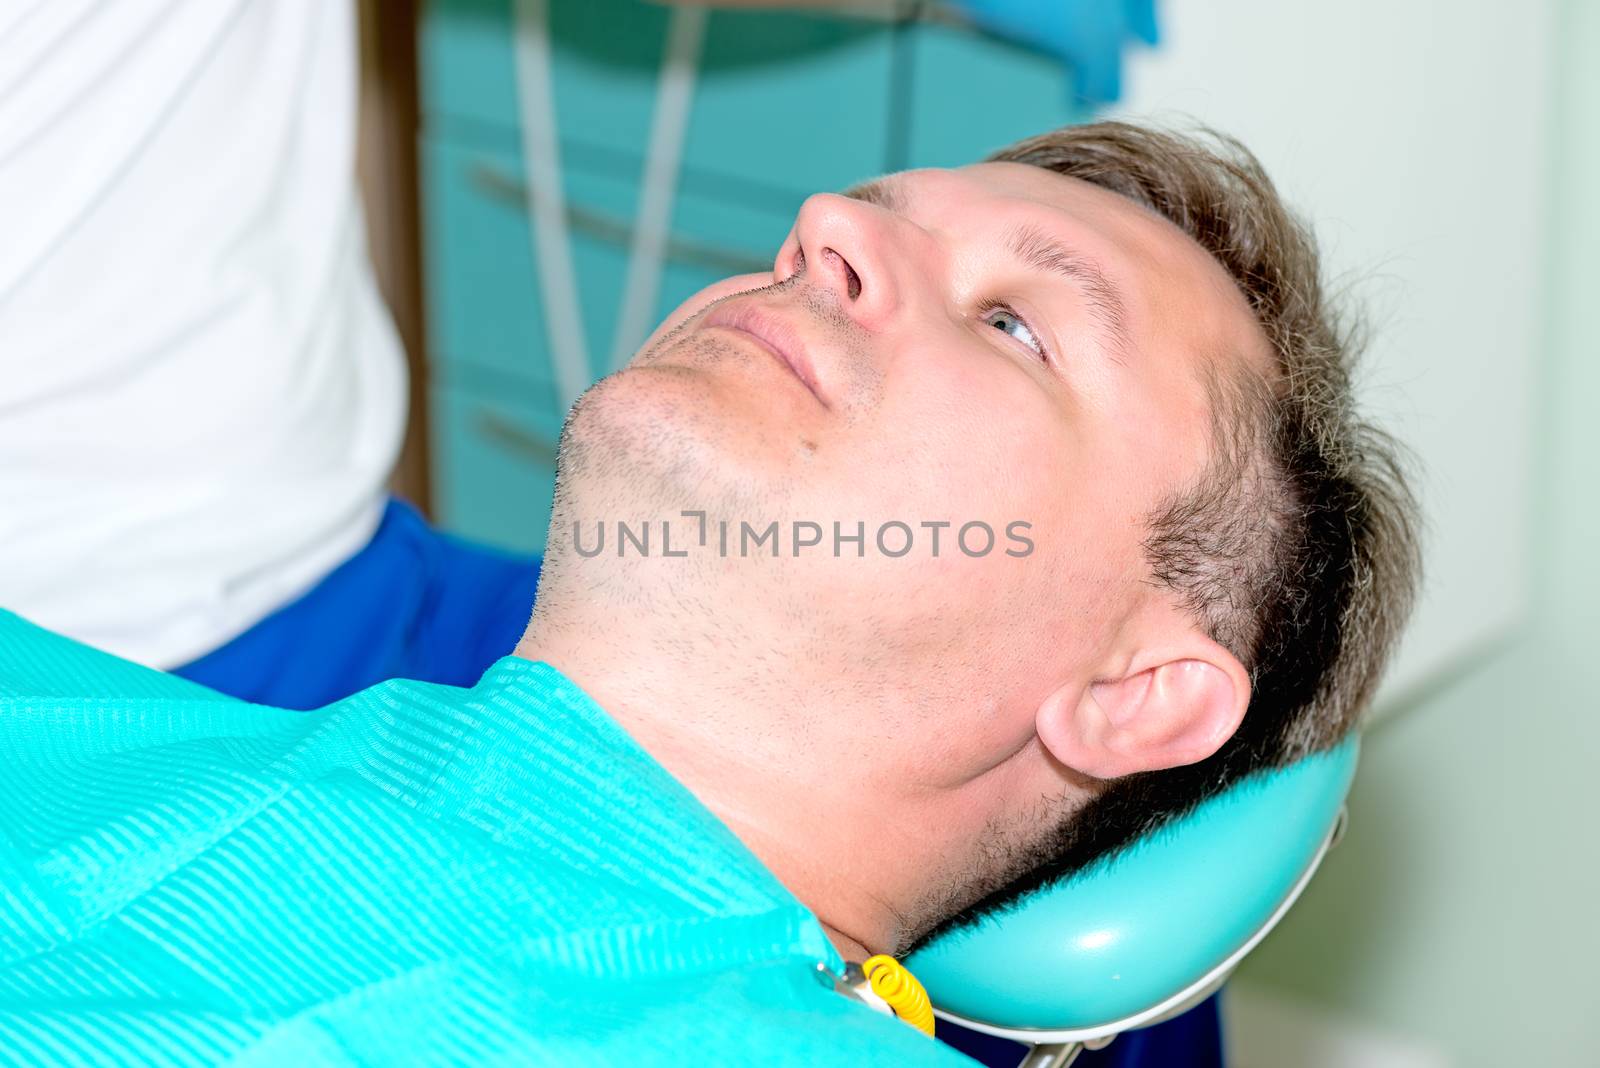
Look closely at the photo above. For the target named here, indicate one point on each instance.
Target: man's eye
(1005, 319)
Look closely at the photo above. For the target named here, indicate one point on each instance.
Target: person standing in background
(202, 394)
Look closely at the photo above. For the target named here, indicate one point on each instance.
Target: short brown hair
(1297, 547)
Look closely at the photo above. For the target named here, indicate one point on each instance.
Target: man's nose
(847, 247)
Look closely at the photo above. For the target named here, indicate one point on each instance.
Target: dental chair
(1149, 933)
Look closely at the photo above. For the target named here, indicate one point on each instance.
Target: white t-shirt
(201, 392)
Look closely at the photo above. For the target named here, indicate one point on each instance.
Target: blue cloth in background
(1087, 35)
(418, 604)
(413, 604)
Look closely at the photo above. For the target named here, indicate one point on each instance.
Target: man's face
(995, 344)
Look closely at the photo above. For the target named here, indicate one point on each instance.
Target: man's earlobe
(1176, 712)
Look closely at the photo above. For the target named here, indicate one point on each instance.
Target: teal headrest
(1117, 945)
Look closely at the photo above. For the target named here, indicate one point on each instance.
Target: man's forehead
(1127, 237)
(1152, 258)
(1136, 232)
(1017, 184)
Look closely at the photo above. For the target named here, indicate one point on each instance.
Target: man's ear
(1168, 707)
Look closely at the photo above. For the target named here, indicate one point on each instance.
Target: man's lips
(772, 334)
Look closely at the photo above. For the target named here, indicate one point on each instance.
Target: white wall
(1413, 133)
(1456, 923)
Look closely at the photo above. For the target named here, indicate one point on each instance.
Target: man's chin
(659, 438)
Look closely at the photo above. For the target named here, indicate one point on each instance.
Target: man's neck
(817, 837)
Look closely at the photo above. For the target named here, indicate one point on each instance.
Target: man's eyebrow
(1036, 248)
(883, 192)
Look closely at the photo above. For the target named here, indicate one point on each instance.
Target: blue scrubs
(413, 604)
(418, 604)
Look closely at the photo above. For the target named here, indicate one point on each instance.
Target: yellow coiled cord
(900, 989)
